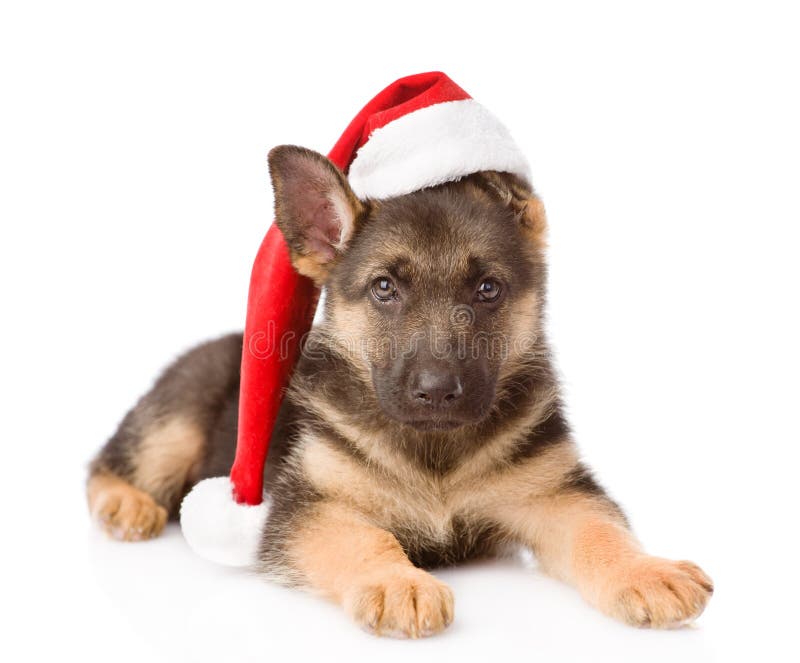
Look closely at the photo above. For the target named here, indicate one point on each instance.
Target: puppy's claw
(659, 593)
(408, 603)
(126, 513)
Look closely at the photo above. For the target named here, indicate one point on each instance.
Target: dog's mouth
(439, 421)
(435, 424)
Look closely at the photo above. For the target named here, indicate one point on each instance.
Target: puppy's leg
(172, 437)
(582, 537)
(138, 479)
(362, 567)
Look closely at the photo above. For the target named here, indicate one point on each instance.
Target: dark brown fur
(368, 482)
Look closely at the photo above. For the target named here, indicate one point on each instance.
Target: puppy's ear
(534, 220)
(315, 208)
(517, 194)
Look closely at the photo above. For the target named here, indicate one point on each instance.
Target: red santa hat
(420, 131)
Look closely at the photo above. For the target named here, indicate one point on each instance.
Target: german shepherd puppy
(422, 426)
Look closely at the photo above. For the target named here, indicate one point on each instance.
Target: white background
(133, 195)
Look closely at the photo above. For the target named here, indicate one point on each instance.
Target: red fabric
(281, 303)
(280, 308)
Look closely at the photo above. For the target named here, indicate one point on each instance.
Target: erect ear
(534, 220)
(517, 194)
(315, 208)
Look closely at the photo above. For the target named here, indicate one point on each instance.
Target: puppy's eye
(383, 289)
(489, 290)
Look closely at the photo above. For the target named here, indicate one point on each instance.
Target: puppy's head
(434, 296)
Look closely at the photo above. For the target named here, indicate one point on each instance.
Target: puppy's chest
(437, 521)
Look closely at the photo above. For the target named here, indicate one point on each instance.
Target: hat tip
(218, 528)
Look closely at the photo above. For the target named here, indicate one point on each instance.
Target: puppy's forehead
(436, 231)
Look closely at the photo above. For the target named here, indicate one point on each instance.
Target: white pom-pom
(218, 528)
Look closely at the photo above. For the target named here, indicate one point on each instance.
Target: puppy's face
(433, 296)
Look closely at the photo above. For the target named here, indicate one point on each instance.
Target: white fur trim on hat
(218, 528)
(432, 145)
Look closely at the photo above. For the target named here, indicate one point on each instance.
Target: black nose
(435, 388)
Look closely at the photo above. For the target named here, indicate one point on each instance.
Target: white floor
(74, 592)
(185, 609)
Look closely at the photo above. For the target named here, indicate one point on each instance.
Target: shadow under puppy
(422, 426)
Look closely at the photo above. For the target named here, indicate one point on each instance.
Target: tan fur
(379, 454)
(386, 460)
(580, 540)
(363, 568)
(393, 491)
(167, 459)
(514, 193)
(536, 221)
(124, 512)
(493, 453)
(576, 537)
(348, 322)
(310, 266)
(524, 334)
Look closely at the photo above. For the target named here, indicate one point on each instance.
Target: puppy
(423, 424)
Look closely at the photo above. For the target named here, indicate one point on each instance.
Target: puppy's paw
(659, 593)
(124, 512)
(404, 603)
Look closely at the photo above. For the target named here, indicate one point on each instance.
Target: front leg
(340, 554)
(582, 537)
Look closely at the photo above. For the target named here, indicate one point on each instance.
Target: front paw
(660, 593)
(404, 603)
